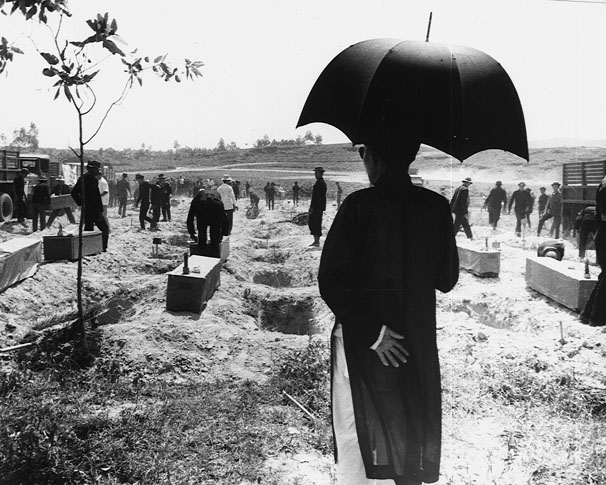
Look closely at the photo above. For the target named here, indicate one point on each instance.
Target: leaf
(146, 59)
(48, 71)
(16, 50)
(50, 58)
(140, 81)
(113, 48)
(114, 26)
(57, 94)
(68, 95)
(156, 60)
(31, 12)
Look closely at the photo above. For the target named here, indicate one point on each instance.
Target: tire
(6, 207)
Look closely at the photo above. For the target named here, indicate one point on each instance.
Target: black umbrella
(454, 98)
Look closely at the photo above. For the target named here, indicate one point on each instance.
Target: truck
(580, 181)
(11, 164)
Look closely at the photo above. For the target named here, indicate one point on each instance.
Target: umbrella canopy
(454, 98)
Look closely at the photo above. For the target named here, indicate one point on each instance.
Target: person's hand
(390, 350)
(194, 238)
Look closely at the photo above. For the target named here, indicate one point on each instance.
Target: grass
(98, 425)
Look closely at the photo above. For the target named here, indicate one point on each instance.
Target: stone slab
(479, 261)
(562, 281)
(190, 292)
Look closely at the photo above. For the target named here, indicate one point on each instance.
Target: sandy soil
(268, 300)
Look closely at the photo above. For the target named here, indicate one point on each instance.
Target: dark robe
(387, 251)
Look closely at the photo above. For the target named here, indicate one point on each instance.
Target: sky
(262, 58)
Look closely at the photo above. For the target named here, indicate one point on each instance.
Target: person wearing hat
(166, 192)
(143, 198)
(521, 202)
(123, 192)
(40, 204)
(553, 209)
(495, 203)
(317, 206)
(61, 188)
(542, 201)
(86, 194)
(459, 206)
(229, 201)
(389, 248)
(20, 197)
(210, 223)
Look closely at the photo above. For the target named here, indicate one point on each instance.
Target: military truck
(580, 181)
(11, 163)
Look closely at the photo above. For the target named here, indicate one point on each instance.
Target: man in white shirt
(229, 201)
(104, 191)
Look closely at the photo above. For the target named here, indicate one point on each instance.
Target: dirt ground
(268, 301)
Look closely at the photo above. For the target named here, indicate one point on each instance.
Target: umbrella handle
(428, 27)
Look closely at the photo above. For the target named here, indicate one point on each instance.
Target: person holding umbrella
(381, 263)
(459, 205)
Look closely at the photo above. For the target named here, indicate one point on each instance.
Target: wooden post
(428, 27)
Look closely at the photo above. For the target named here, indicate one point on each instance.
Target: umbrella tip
(428, 27)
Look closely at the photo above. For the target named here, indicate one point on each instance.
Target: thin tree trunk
(80, 322)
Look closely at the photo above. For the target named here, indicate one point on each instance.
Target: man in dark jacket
(495, 202)
(390, 246)
(61, 188)
(143, 198)
(211, 223)
(40, 204)
(317, 206)
(20, 196)
(553, 209)
(594, 312)
(584, 224)
(166, 194)
(543, 198)
(520, 200)
(86, 194)
(296, 188)
(459, 206)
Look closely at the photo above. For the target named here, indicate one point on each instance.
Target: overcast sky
(262, 57)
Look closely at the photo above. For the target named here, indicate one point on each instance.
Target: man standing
(155, 197)
(339, 194)
(20, 197)
(553, 209)
(144, 198)
(594, 312)
(123, 192)
(495, 202)
(104, 191)
(86, 194)
(585, 224)
(543, 198)
(40, 203)
(166, 193)
(229, 201)
(459, 206)
(521, 199)
(531, 206)
(388, 250)
(271, 196)
(317, 206)
(210, 217)
(296, 188)
(61, 188)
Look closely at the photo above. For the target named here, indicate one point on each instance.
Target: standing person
(543, 198)
(530, 207)
(389, 248)
(495, 203)
(584, 224)
(521, 202)
(271, 195)
(317, 206)
(86, 194)
(254, 198)
(594, 313)
(155, 197)
(553, 209)
(459, 206)
(20, 196)
(112, 192)
(104, 191)
(246, 188)
(296, 188)
(236, 187)
(40, 204)
(339, 194)
(211, 220)
(266, 189)
(143, 198)
(166, 193)
(229, 201)
(123, 192)
(61, 188)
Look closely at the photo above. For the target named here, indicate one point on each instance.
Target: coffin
(19, 259)
(481, 262)
(190, 292)
(66, 247)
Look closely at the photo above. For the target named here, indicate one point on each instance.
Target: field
(239, 393)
